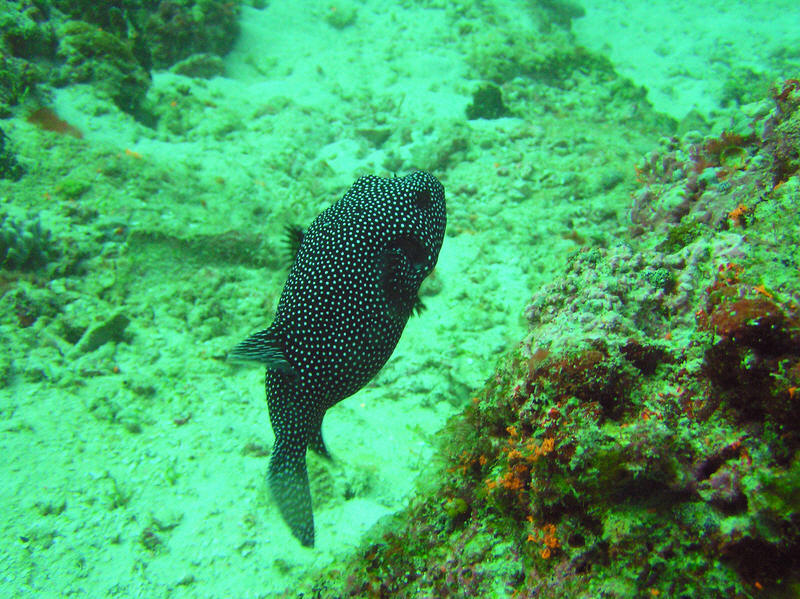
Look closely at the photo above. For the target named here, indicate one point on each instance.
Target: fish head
(412, 218)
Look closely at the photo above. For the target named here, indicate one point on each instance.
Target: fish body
(353, 286)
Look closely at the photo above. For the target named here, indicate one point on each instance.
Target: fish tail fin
(264, 347)
(288, 481)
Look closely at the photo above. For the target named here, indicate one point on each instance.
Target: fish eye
(423, 199)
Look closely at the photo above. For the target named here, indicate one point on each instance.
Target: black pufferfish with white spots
(353, 286)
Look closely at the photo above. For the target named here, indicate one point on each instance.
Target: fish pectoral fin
(262, 347)
(399, 282)
(288, 481)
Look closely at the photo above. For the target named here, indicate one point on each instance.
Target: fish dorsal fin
(263, 347)
(292, 239)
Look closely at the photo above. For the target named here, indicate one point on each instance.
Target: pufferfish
(353, 286)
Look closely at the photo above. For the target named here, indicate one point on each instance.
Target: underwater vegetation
(644, 438)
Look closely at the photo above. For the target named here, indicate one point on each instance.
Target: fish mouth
(414, 250)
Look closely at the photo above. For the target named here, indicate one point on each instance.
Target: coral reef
(643, 439)
(113, 45)
(201, 66)
(176, 30)
(549, 58)
(90, 54)
(26, 31)
(25, 48)
(342, 15)
(162, 32)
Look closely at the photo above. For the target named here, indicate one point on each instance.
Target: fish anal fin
(419, 307)
(317, 444)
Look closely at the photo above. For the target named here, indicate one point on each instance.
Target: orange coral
(538, 450)
(546, 535)
(738, 214)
